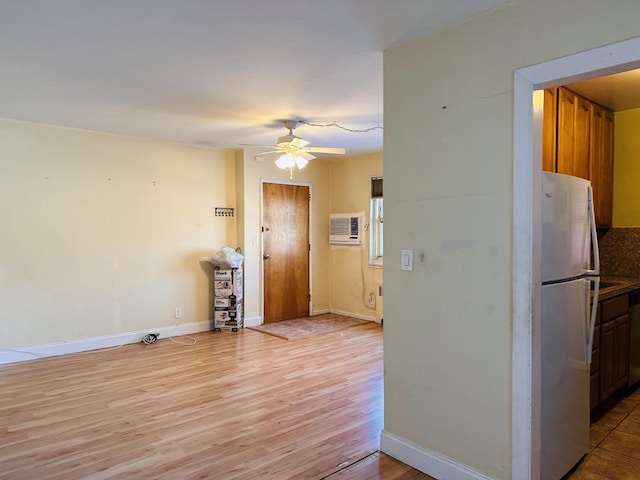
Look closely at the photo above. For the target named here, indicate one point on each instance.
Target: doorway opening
(528, 121)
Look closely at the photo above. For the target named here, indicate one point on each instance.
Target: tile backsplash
(620, 252)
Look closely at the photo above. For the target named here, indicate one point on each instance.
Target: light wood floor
(230, 406)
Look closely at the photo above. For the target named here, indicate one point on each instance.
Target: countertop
(620, 285)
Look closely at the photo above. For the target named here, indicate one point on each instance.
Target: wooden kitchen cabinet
(573, 134)
(594, 384)
(621, 357)
(614, 346)
(578, 140)
(595, 363)
(601, 163)
(550, 122)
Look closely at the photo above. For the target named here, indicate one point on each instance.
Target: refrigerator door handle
(595, 272)
(594, 236)
(594, 311)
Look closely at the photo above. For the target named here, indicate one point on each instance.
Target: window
(376, 244)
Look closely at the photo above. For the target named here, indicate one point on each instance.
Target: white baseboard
(74, 346)
(252, 321)
(371, 318)
(427, 461)
(83, 345)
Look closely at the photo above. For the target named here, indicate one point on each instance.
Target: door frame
(527, 226)
(298, 184)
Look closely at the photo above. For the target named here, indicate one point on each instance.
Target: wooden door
(286, 251)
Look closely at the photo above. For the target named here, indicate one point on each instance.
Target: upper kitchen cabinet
(601, 164)
(578, 141)
(572, 134)
(550, 122)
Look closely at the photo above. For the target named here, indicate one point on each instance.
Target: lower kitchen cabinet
(621, 355)
(595, 364)
(610, 354)
(594, 399)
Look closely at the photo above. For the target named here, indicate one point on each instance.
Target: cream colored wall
(626, 175)
(102, 234)
(448, 195)
(316, 174)
(352, 279)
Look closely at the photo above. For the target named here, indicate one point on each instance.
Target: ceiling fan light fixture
(289, 160)
(301, 162)
(285, 161)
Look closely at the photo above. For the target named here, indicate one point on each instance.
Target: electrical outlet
(372, 299)
(177, 313)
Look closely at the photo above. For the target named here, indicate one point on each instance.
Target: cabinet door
(573, 134)
(607, 360)
(614, 356)
(594, 386)
(582, 137)
(606, 195)
(549, 126)
(601, 164)
(622, 351)
(566, 124)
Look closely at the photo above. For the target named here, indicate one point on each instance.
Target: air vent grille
(344, 228)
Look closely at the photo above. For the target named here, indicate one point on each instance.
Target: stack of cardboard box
(227, 299)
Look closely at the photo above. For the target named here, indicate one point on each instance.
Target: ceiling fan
(292, 150)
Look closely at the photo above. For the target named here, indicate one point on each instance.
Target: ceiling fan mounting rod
(290, 125)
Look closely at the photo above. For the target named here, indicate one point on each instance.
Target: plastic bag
(226, 257)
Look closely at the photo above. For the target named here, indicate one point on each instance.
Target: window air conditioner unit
(344, 228)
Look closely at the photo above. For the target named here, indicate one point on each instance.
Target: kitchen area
(592, 130)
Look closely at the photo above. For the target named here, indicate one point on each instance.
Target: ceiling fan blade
(256, 146)
(266, 154)
(332, 150)
(305, 155)
(299, 143)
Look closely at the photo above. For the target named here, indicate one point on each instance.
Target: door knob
(266, 256)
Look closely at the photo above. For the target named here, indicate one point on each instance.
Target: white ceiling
(210, 72)
(617, 92)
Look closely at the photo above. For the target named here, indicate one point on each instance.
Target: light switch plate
(407, 260)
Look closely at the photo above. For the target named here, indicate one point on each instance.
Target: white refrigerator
(569, 249)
